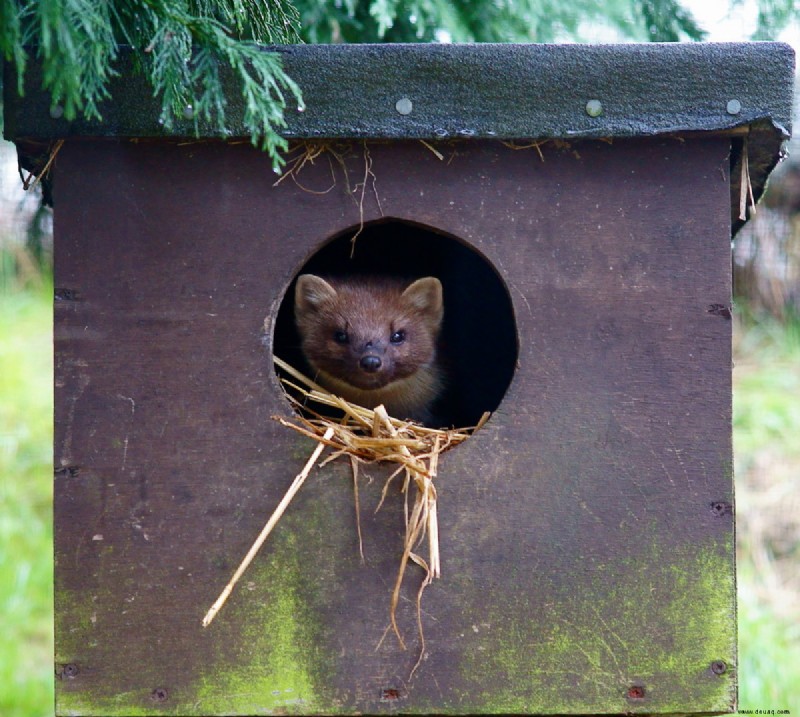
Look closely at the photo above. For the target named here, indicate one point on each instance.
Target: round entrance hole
(477, 345)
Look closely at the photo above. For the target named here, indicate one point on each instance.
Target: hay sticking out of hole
(366, 436)
(372, 436)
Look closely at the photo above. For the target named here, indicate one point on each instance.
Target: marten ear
(425, 296)
(311, 292)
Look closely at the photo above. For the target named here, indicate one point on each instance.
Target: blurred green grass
(26, 487)
(766, 431)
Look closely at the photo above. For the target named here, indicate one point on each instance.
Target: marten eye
(340, 337)
(398, 337)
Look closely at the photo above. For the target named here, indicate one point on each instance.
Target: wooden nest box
(577, 204)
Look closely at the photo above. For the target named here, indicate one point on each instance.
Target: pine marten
(373, 340)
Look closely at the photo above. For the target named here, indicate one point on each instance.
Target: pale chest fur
(405, 398)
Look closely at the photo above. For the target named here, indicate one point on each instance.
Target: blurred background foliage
(80, 36)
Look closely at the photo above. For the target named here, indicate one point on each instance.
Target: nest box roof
(482, 91)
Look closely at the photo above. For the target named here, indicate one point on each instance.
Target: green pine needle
(182, 47)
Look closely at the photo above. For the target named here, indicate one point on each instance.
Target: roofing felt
(477, 91)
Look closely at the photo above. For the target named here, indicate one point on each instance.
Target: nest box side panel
(168, 463)
(586, 531)
(600, 493)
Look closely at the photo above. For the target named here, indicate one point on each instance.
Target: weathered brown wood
(586, 535)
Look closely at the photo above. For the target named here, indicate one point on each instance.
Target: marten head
(368, 332)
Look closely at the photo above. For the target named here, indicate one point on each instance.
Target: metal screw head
(404, 106)
(734, 107)
(70, 670)
(159, 694)
(720, 508)
(718, 667)
(390, 694)
(636, 692)
(594, 108)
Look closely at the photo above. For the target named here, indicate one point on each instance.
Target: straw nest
(365, 436)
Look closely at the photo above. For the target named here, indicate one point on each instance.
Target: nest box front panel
(586, 531)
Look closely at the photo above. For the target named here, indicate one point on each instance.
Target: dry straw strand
(369, 436)
(746, 199)
(373, 436)
(271, 523)
(27, 185)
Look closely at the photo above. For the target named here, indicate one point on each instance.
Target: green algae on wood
(264, 654)
(635, 626)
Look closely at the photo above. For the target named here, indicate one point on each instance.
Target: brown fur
(342, 321)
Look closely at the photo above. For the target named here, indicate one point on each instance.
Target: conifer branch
(182, 47)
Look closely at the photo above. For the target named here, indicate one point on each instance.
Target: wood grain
(581, 554)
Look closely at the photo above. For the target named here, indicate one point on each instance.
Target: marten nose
(370, 363)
